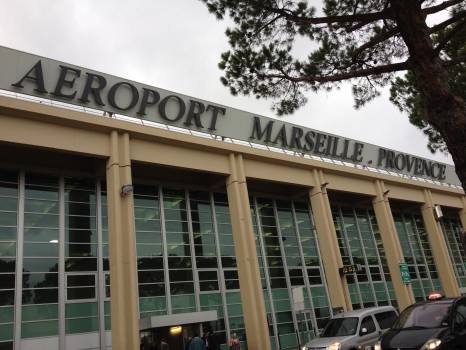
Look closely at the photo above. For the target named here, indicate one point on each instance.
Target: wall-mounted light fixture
(438, 212)
(126, 190)
(175, 330)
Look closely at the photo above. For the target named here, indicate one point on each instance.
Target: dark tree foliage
(364, 41)
(406, 97)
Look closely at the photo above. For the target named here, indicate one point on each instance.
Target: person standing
(234, 343)
(197, 343)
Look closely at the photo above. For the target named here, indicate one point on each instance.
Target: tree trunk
(444, 111)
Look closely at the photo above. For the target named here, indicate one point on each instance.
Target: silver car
(354, 330)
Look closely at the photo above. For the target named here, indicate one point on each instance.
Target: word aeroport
(171, 108)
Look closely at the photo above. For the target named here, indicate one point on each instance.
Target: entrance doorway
(175, 336)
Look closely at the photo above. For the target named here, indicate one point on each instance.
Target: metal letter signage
(46, 78)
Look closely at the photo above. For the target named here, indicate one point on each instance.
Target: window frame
(83, 273)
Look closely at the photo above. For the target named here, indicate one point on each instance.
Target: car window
(340, 327)
(386, 319)
(369, 324)
(460, 315)
(428, 315)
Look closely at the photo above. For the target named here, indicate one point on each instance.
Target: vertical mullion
(350, 254)
(19, 261)
(319, 257)
(266, 274)
(421, 247)
(193, 252)
(305, 274)
(363, 248)
(387, 293)
(221, 277)
(413, 256)
(61, 266)
(164, 251)
(285, 266)
(100, 267)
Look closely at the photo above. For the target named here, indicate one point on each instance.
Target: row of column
(123, 271)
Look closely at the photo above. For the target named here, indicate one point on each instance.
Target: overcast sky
(176, 45)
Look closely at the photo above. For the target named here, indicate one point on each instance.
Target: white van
(352, 330)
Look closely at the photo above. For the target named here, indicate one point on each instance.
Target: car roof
(365, 312)
(438, 301)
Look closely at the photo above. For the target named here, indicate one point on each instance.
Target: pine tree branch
(440, 7)
(454, 61)
(374, 41)
(389, 68)
(453, 19)
(362, 17)
(449, 36)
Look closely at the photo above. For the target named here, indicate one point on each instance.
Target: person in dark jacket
(197, 343)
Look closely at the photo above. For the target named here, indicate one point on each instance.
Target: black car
(438, 324)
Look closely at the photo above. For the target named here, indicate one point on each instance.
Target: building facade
(116, 233)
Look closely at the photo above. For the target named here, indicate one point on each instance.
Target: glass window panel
(40, 220)
(39, 329)
(80, 293)
(205, 250)
(80, 280)
(147, 225)
(40, 280)
(179, 250)
(80, 222)
(38, 192)
(174, 263)
(39, 206)
(206, 262)
(148, 237)
(39, 312)
(40, 234)
(73, 195)
(10, 190)
(41, 249)
(80, 250)
(7, 249)
(7, 297)
(182, 288)
(81, 235)
(176, 226)
(7, 314)
(82, 325)
(181, 275)
(40, 296)
(6, 332)
(40, 264)
(150, 290)
(8, 233)
(80, 209)
(7, 218)
(149, 249)
(7, 265)
(151, 276)
(150, 263)
(80, 264)
(206, 286)
(178, 237)
(208, 275)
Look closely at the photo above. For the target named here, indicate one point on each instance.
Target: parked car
(353, 330)
(435, 324)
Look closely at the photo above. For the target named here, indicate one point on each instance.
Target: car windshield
(424, 316)
(340, 327)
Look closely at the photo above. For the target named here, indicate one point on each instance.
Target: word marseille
(125, 97)
(348, 150)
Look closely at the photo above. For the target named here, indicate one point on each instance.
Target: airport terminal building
(129, 213)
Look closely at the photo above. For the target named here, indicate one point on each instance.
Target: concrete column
(463, 214)
(252, 298)
(328, 244)
(122, 247)
(391, 244)
(439, 247)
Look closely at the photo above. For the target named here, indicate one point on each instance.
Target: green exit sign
(404, 273)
